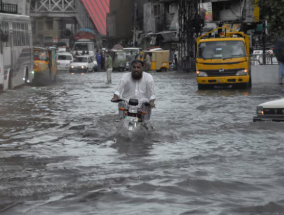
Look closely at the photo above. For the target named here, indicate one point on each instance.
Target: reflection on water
(63, 152)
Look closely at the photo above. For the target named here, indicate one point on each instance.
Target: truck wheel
(249, 86)
(202, 87)
(240, 86)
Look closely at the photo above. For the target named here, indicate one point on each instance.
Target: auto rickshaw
(45, 67)
(157, 60)
(119, 60)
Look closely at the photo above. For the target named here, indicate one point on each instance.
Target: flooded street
(61, 152)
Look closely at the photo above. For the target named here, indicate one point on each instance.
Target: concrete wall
(265, 74)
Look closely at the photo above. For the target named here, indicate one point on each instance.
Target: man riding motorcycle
(137, 85)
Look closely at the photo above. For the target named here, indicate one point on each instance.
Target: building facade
(160, 24)
(120, 21)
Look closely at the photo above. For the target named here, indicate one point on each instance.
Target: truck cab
(224, 60)
(84, 46)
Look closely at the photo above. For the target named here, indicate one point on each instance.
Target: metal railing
(8, 8)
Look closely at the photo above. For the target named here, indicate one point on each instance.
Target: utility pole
(264, 42)
(134, 33)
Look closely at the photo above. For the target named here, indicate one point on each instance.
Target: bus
(16, 51)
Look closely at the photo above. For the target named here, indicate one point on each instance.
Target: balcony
(8, 8)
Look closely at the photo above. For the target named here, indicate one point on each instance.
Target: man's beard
(136, 75)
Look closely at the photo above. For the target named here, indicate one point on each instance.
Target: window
(40, 26)
(49, 24)
(5, 27)
(64, 57)
(157, 10)
(81, 59)
(61, 44)
(81, 46)
(40, 55)
(221, 49)
(167, 8)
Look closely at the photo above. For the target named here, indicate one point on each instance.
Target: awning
(97, 10)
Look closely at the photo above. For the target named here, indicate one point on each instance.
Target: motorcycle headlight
(242, 72)
(201, 74)
(259, 110)
(132, 110)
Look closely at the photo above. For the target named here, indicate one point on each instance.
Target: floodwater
(61, 153)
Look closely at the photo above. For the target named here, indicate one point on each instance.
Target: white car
(270, 111)
(82, 64)
(64, 59)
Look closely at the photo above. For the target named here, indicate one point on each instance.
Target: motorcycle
(132, 113)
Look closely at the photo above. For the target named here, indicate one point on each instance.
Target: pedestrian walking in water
(176, 62)
(102, 60)
(108, 67)
(99, 60)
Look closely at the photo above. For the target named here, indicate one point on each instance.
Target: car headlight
(259, 110)
(82, 67)
(72, 67)
(242, 72)
(201, 74)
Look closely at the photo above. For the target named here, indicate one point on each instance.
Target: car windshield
(81, 59)
(221, 49)
(64, 57)
(61, 44)
(39, 55)
(81, 46)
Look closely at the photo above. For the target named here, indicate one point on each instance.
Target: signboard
(205, 11)
(84, 35)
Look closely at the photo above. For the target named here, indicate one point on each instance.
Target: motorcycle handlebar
(147, 104)
(116, 101)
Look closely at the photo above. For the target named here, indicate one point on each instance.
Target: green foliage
(273, 12)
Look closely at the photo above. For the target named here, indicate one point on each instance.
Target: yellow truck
(224, 60)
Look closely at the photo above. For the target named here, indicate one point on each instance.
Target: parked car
(82, 64)
(270, 111)
(64, 59)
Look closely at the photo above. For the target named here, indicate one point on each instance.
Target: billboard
(205, 11)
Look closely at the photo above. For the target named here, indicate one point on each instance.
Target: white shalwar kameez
(143, 89)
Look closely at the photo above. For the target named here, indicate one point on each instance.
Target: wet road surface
(61, 153)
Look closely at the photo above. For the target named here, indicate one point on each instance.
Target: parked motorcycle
(133, 113)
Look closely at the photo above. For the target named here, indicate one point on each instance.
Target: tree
(273, 12)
